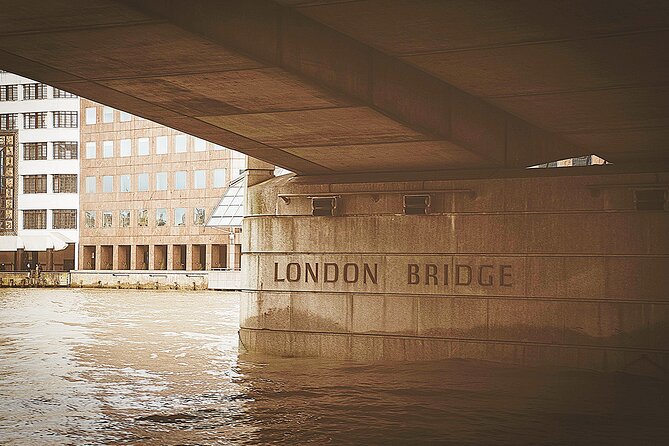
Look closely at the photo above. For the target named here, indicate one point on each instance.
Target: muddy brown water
(163, 368)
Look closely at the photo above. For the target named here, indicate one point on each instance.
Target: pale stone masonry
(560, 267)
(147, 192)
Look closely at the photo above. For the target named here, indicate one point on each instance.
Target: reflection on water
(162, 368)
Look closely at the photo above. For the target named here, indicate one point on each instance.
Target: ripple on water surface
(162, 368)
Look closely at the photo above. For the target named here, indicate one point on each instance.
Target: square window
(34, 184)
(582, 161)
(34, 151)
(64, 218)
(125, 116)
(107, 149)
(107, 219)
(198, 216)
(107, 183)
(200, 179)
(143, 146)
(143, 182)
(34, 219)
(125, 147)
(180, 217)
(180, 143)
(65, 184)
(143, 217)
(107, 114)
(161, 181)
(90, 150)
(219, 177)
(90, 185)
(65, 119)
(91, 117)
(125, 183)
(89, 217)
(180, 180)
(34, 91)
(65, 150)
(9, 92)
(35, 120)
(200, 145)
(161, 217)
(161, 145)
(125, 219)
(8, 121)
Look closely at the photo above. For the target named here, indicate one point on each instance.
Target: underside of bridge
(322, 87)
(412, 229)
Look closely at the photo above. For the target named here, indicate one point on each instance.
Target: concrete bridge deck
(322, 87)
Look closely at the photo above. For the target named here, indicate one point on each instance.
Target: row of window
(107, 115)
(62, 219)
(62, 150)
(180, 181)
(62, 184)
(30, 92)
(142, 218)
(162, 145)
(70, 149)
(587, 160)
(38, 120)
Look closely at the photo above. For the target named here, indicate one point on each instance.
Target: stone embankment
(153, 280)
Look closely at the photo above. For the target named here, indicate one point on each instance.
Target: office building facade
(39, 169)
(147, 192)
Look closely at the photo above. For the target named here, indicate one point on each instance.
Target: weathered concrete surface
(158, 279)
(368, 85)
(543, 268)
(224, 280)
(26, 279)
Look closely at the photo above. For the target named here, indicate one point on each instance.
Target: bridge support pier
(550, 267)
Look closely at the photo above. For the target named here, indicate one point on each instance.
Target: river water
(162, 368)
